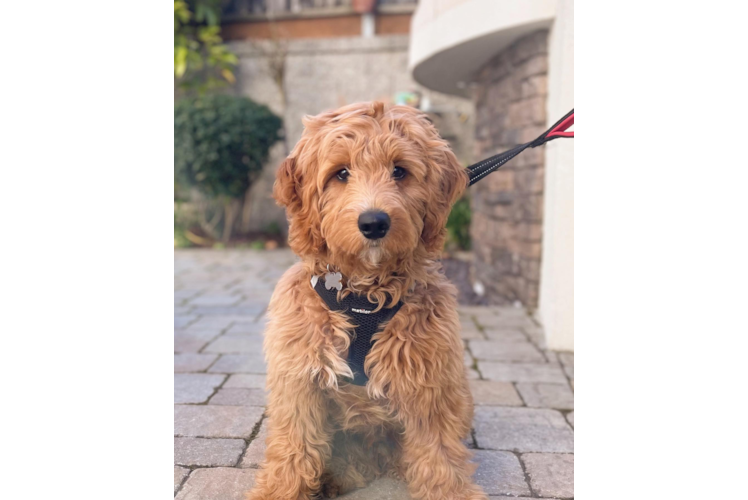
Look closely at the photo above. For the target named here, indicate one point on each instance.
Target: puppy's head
(369, 184)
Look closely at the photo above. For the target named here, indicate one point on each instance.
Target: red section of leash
(560, 129)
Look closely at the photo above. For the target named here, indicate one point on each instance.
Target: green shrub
(180, 240)
(458, 224)
(221, 143)
(272, 228)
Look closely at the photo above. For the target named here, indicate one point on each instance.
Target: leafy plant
(272, 228)
(221, 143)
(201, 60)
(458, 224)
(180, 240)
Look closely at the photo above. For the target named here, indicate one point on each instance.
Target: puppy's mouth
(373, 253)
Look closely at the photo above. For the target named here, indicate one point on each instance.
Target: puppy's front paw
(331, 489)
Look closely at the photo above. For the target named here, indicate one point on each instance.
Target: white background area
(661, 54)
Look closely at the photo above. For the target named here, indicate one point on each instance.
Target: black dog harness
(361, 311)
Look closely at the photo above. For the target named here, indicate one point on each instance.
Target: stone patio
(523, 433)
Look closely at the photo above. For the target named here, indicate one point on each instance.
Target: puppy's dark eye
(399, 173)
(342, 175)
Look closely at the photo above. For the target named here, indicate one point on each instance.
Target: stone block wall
(510, 102)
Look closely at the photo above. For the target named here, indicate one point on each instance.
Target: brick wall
(510, 101)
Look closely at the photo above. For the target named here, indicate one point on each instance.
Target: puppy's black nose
(374, 224)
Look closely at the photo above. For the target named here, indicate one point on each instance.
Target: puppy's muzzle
(374, 224)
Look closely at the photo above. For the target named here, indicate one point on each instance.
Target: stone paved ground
(524, 417)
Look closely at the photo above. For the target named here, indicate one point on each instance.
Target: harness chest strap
(361, 313)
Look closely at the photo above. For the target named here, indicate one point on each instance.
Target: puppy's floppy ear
(286, 186)
(451, 181)
(304, 235)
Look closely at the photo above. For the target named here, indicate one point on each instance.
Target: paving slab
(244, 311)
(570, 418)
(239, 397)
(239, 363)
(568, 360)
(193, 362)
(468, 328)
(220, 483)
(182, 321)
(218, 322)
(542, 395)
(467, 358)
(228, 344)
(499, 473)
(245, 381)
(193, 340)
(214, 300)
(246, 327)
(179, 474)
(255, 453)
(521, 372)
(505, 318)
(522, 430)
(195, 387)
(479, 310)
(207, 452)
(536, 335)
(489, 392)
(551, 474)
(509, 334)
(215, 421)
(185, 293)
(566, 357)
(495, 350)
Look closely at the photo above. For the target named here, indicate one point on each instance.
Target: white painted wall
(556, 303)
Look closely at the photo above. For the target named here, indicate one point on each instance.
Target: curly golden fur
(327, 436)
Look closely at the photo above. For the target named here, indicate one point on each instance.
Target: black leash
(479, 170)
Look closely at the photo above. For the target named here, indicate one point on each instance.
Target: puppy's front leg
(435, 459)
(298, 443)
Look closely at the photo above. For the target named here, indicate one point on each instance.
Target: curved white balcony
(451, 39)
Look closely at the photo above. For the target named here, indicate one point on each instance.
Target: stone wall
(510, 102)
(324, 74)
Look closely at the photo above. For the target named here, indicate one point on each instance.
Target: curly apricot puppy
(327, 436)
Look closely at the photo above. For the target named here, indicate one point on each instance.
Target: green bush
(180, 240)
(458, 224)
(221, 143)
